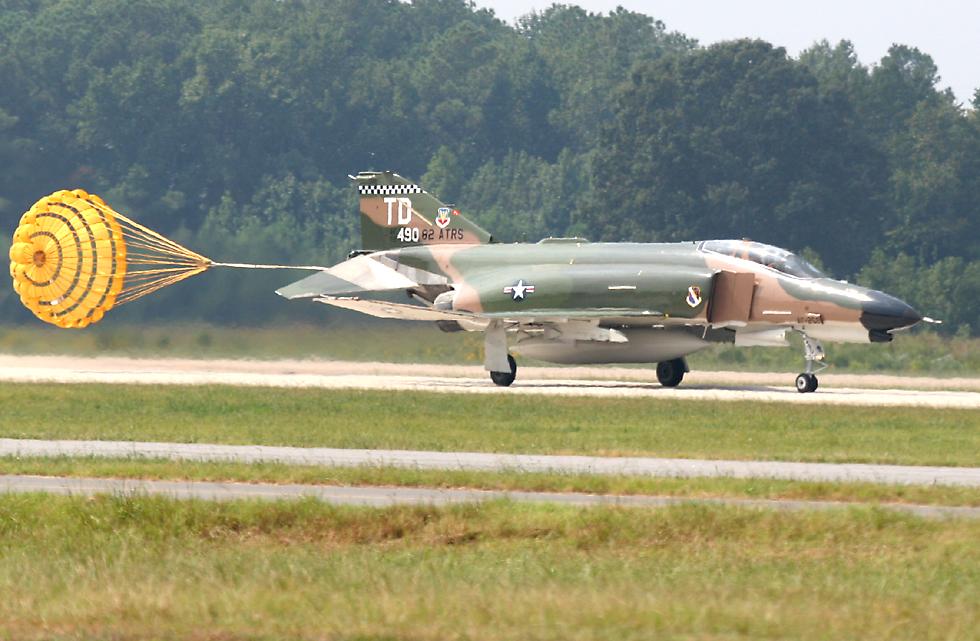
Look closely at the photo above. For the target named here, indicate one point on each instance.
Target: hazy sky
(948, 30)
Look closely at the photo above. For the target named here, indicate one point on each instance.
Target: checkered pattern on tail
(388, 190)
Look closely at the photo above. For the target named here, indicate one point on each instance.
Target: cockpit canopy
(772, 257)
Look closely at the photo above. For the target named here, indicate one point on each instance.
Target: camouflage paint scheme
(569, 300)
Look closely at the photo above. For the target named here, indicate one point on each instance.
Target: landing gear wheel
(806, 383)
(671, 373)
(504, 379)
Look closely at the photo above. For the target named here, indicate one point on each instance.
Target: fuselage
(747, 288)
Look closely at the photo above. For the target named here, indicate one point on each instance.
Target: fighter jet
(568, 300)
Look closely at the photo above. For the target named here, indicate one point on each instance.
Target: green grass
(128, 567)
(536, 482)
(370, 340)
(922, 353)
(498, 423)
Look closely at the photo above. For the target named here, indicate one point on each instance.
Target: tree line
(232, 125)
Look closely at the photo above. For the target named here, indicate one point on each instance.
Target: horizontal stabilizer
(354, 276)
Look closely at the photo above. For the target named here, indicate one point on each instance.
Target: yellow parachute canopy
(74, 258)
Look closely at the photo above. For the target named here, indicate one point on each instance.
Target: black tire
(671, 373)
(806, 383)
(802, 383)
(504, 379)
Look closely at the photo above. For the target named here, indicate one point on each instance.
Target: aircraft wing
(597, 313)
(385, 309)
(406, 311)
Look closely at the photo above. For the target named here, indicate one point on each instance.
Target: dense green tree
(524, 198)
(444, 175)
(735, 140)
(928, 202)
(11, 154)
(903, 80)
(588, 55)
(936, 183)
(837, 68)
(232, 125)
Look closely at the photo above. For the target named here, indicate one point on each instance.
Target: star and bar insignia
(520, 290)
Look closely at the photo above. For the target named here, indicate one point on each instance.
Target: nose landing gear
(806, 382)
(814, 355)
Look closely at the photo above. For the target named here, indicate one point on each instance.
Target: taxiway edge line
(497, 462)
(390, 496)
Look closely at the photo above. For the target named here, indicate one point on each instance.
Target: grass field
(511, 480)
(429, 421)
(125, 567)
(923, 353)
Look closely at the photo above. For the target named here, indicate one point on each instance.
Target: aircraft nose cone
(884, 313)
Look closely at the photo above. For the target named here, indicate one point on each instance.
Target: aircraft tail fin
(395, 212)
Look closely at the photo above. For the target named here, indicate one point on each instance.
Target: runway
(590, 382)
(478, 461)
(388, 496)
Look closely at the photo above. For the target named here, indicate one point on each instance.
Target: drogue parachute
(74, 258)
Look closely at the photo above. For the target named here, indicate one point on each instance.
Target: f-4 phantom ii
(566, 300)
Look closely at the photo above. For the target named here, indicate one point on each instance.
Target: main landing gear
(814, 354)
(496, 359)
(671, 373)
(504, 379)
